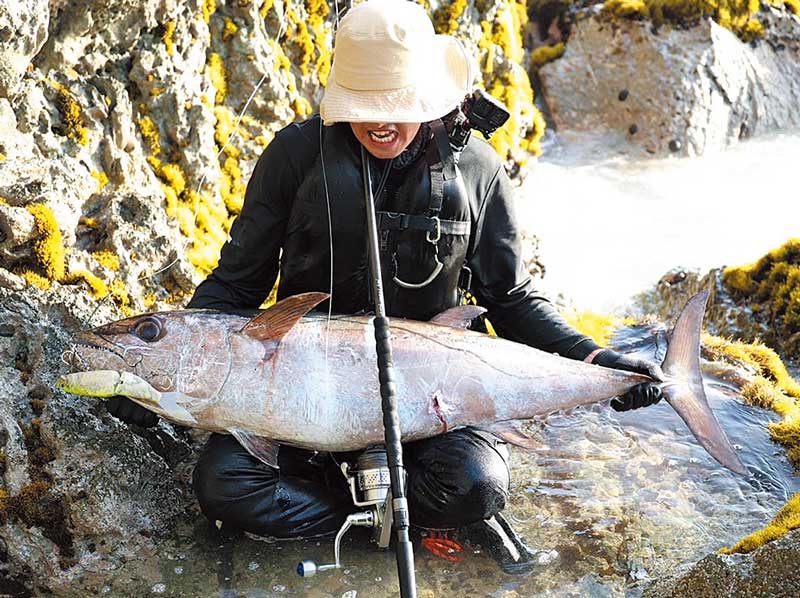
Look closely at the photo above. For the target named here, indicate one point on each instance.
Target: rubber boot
(501, 542)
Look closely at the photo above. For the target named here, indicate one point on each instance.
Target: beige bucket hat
(390, 66)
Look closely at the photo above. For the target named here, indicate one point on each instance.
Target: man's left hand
(641, 395)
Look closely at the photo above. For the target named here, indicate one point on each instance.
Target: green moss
(772, 287)
(38, 504)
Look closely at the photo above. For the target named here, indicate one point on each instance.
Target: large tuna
(280, 377)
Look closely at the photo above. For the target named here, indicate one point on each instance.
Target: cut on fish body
(313, 383)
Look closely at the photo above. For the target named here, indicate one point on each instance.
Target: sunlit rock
(687, 90)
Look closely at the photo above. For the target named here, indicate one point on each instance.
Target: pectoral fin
(263, 449)
(511, 432)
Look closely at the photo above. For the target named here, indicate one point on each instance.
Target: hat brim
(434, 95)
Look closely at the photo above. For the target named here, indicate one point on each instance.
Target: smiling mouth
(383, 137)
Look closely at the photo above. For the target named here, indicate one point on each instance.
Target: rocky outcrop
(684, 90)
(23, 31)
(125, 148)
(769, 571)
(81, 492)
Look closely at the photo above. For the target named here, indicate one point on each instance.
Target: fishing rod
(391, 422)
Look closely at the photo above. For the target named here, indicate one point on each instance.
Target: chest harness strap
(442, 169)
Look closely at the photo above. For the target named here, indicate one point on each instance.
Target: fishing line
(330, 240)
(328, 206)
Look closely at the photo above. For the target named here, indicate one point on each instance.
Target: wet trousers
(453, 479)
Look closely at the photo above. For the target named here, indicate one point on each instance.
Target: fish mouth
(85, 353)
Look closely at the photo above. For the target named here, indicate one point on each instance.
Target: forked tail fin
(684, 385)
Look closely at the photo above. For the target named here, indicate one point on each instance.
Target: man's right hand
(129, 412)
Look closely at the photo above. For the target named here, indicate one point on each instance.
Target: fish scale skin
(290, 392)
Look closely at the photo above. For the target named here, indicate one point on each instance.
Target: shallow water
(620, 497)
(609, 228)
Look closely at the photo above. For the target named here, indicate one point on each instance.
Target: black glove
(129, 412)
(641, 395)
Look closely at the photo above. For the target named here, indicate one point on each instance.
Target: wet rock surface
(675, 90)
(769, 571)
(82, 493)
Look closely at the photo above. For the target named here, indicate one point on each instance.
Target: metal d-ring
(427, 281)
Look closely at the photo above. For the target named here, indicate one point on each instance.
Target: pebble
(178, 570)
(253, 566)
(159, 588)
(633, 129)
(623, 95)
(675, 145)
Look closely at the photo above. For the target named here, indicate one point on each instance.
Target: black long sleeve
(249, 260)
(504, 287)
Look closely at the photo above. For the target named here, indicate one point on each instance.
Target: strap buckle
(437, 229)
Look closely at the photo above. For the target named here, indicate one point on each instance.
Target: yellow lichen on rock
(501, 52)
(265, 7)
(601, 327)
(107, 259)
(544, 54)
(317, 11)
(121, 297)
(169, 36)
(35, 279)
(102, 179)
(97, 288)
(229, 30)
(49, 246)
(71, 114)
(216, 72)
(772, 287)
(771, 387)
(150, 135)
(787, 519)
(208, 8)
(736, 15)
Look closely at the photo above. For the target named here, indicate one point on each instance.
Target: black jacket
(283, 227)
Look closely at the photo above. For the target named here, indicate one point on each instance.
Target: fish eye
(148, 329)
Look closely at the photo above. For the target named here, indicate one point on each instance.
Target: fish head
(185, 351)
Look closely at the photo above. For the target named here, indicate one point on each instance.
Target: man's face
(385, 140)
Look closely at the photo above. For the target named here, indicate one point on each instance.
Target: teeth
(383, 136)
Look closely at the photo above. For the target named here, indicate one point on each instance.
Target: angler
(444, 202)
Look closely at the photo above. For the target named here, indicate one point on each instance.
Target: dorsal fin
(277, 320)
(459, 316)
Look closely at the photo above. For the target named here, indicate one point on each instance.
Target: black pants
(453, 479)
